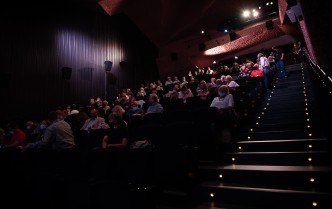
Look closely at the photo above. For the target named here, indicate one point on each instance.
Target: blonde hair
(117, 109)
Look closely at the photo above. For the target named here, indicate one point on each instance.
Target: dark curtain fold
(36, 47)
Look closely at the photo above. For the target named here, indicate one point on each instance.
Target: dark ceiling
(167, 21)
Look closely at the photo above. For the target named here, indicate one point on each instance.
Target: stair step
(279, 135)
(317, 144)
(275, 158)
(263, 197)
(295, 177)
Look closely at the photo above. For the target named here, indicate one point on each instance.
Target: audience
(58, 135)
(154, 107)
(94, 122)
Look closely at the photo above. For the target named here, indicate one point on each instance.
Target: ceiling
(168, 21)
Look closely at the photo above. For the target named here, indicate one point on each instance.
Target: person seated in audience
(232, 85)
(184, 81)
(17, 136)
(168, 81)
(212, 83)
(141, 92)
(159, 85)
(209, 71)
(154, 107)
(58, 135)
(117, 136)
(244, 72)
(94, 122)
(174, 93)
(224, 102)
(256, 72)
(134, 110)
(30, 131)
(176, 81)
(185, 93)
(40, 130)
(202, 90)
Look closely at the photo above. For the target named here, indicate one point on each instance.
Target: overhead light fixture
(267, 4)
(202, 32)
(246, 13)
(226, 30)
(260, 7)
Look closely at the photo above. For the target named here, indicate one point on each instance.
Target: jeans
(266, 79)
(281, 68)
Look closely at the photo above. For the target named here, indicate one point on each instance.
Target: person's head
(93, 113)
(105, 103)
(92, 101)
(115, 118)
(134, 105)
(184, 88)
(169, 78)
(153, 98)
(117, 109)
(223, 91)
(229, 78)
(259, 55)
(55, 115)
(183, 78)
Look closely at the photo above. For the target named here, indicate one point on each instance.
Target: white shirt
(225, 102)
(233, 84)
(263, 62)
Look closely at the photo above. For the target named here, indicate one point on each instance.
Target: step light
(308, 126)
(308, 119)
(248, 137)
(233, 159)
(220, 176)
(240, 148)
(312, 180)
(211, 195)
(310, 146)
(309, 159)
(314, 204)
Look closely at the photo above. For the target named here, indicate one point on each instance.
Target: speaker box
(269, 24)
(232, 36)
(66, 73)
(4, 80)
(201, 47)
(108, 65)
(174, 56)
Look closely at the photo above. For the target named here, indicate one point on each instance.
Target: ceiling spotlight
(226, 30)
(236, 57)
(214, 62)
(259, 7)
(255, 14)
(202, 32)
(271, 3)
(267, 4)
(246, 13)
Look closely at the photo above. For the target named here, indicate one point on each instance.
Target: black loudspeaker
(108, 65)
(66, 73)
(201, 47)
(4, 80)
(174, 56)
(269, 24)
(232, 36)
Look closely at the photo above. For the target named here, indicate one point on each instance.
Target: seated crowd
(214, 87)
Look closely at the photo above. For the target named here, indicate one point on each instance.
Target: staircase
(281, 159)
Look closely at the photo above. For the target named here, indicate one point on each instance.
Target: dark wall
(37, 41)
(318, 17)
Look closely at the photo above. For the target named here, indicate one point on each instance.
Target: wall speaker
(201, 47)
(269, 25)
(232, 36)
(174, 56)
(108, 65)
(66, 73)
